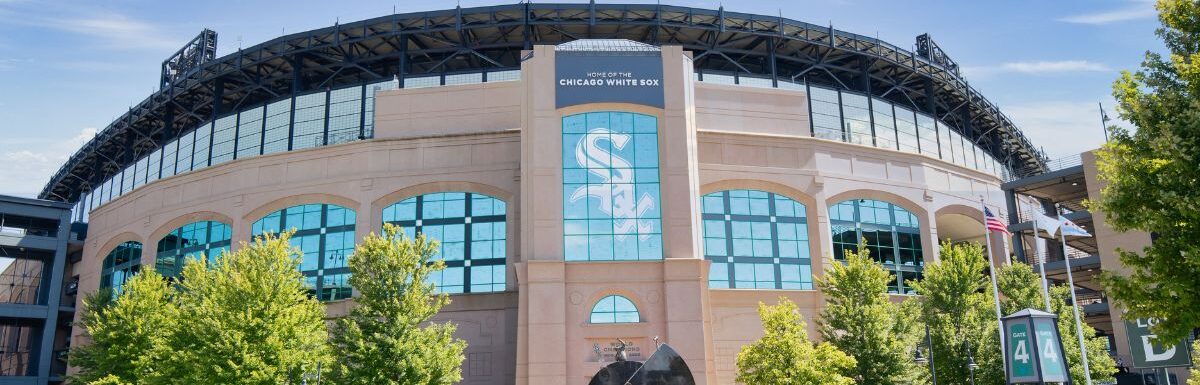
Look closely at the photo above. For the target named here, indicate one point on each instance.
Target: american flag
(994, 223)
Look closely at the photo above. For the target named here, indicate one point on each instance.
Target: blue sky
(68, 68)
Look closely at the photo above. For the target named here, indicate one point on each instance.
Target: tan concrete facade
(505, 140)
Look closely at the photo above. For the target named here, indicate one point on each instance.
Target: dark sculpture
(664, 367)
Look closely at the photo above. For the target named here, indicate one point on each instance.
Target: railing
(1051, 166)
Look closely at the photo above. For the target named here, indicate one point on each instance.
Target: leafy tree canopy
(1151, 177)
(785, 356)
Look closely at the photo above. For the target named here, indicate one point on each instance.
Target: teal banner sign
(1033, 348)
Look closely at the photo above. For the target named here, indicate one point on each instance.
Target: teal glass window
(611, 205)
(893, 236)
(471, 230)
(189, 241)
(120, 264)
(756, 240)
(614, 309)
(325, 236)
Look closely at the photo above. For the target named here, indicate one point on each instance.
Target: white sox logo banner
(616, 196)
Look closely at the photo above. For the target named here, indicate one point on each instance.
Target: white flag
(1045, 223)
(1070, 228)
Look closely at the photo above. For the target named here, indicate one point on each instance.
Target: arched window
(210, 238)
(325, 234)
(756, 240)
(614, 309)
(120, 264)
(471, 230)
(892, 233)
(611, 207)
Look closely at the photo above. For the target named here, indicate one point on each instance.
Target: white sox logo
(617, 199)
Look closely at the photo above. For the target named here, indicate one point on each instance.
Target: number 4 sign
(1034, 348)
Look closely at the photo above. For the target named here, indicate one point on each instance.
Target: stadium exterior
(593, 171)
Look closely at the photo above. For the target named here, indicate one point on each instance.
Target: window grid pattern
(906, 130)
(857, 118)
(201, 149)
(892, 235)
(120, 264)
(756, 240)
(168, 159)
(224, 134)
(267, 129)
(152, 173)
(309, 124)
(927, 135)
(611, 204)
(345, 114)
(250, 130)
(275, 130)
(826, 114)
(325, 235)
(614, 309)
(471, 230)
(184, 162)
(885, 124)
(190, 241)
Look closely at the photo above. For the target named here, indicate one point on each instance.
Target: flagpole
(1041, 261)
(987, 242)
(1087, 374)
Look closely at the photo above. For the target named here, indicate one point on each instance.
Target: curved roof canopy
(486, 38)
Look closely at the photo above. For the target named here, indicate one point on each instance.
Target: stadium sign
(1147, 352)
(614, 78)
(1034, 348)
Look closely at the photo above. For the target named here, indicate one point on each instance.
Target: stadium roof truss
(484, 38)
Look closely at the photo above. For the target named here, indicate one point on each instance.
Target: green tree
(1021, 288)
(861, 320)
(1100, 364)
(1194, 377)
(785, 356)
(128, 333)
(1151, 177)
(247, 319)
(958, 311)
(386, 338)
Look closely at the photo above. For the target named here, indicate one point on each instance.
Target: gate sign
(1020, 341)
(1150, 353)
(1034, 348)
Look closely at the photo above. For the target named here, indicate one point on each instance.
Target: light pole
(919, 359)
(971, 365)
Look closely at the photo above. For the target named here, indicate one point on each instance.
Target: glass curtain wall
(892, 234)
(325, 234)
(308, 120)
(756, 240)
(471, 230)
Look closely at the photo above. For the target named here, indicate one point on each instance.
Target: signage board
(1033, 348)
(1148, 352)
(1020, 343)
(1050, 353)
(595, 77)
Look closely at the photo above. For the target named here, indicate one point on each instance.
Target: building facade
(593, 172)
(36, 299)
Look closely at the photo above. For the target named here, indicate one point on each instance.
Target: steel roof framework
(484, 38)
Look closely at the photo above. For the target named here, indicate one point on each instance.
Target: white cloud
(116, 30)
(1140, 10)
(1038, 68)
(1062, 127)
(26, 165)
(8, 64)
(106, 29)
